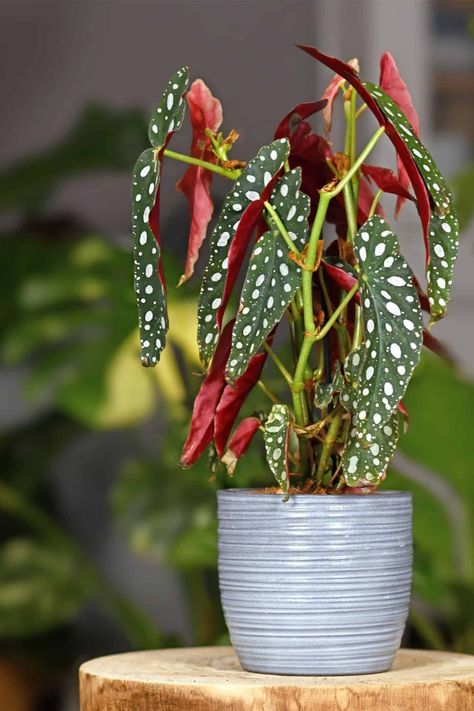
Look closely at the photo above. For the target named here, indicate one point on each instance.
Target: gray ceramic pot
(318, 585)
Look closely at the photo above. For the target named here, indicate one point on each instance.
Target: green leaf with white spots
(324, 393)
(149, 289)
(272, 277)
(230, 238)
(443, 253)
(168, 115)
(276, 436)
(444, 228)
(148, 280)
(365, 461)
(379, 371)
(292, 206)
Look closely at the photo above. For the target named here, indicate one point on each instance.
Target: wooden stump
(211, 679)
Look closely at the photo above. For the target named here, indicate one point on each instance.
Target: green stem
(328, 444)
(310, 261)
(265, 389)
(281, 367)
(138, 628)
(357, 164)
(231, 174)
(350, 212)
(375, 202)
(335, 314)
(281, 228)
(309, 340)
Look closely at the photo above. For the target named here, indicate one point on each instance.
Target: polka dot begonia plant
(301, 241)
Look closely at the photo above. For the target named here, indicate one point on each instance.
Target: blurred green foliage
(69, 319)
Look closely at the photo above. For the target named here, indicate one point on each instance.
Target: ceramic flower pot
(318, 585)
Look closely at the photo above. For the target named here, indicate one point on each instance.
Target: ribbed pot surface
(318, 585)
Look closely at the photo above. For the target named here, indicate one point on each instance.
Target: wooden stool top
(211, 679)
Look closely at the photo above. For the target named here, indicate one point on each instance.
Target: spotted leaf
(365, 463)
(276, 436)
(350, 74)
(149, 282)
(230, 239)
(272, 278)
(149, 287)
(442, 244)
(382, 367)
(168, 115)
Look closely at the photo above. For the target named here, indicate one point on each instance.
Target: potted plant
(315, 572)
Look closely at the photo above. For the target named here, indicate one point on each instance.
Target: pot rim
(257, 492)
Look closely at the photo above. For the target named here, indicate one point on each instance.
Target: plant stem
(375, 202)
(355, 167)
(310, 261)
(279, 364)
(351, 212)
(335, 314)
(328, 444)
(265, 389)
(281, 228)
(231, 174)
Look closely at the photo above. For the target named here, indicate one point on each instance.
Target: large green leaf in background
(439, 440)
(70, 313)
(39, 587)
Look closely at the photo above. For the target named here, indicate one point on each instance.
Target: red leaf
(239, 245)
(366, 198)
(330, 94)
(419, 186)
(392, 83)
(342, 278)
(205, 112)
(386, 180)
(240, 442)
(201, 429)
(290, 122)
(232, 400)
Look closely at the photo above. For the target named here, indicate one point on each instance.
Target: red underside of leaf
(232, 400)
(341, 278)
(243, 435)
(201, 430)
(238, 247)
(290, 122)
(366, 198)
(386, 180)
(392, 83)
(346, 71)
(205, 112)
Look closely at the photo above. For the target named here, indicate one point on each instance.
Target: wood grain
(211, 679)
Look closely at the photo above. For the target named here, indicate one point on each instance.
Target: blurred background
(105, 543)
